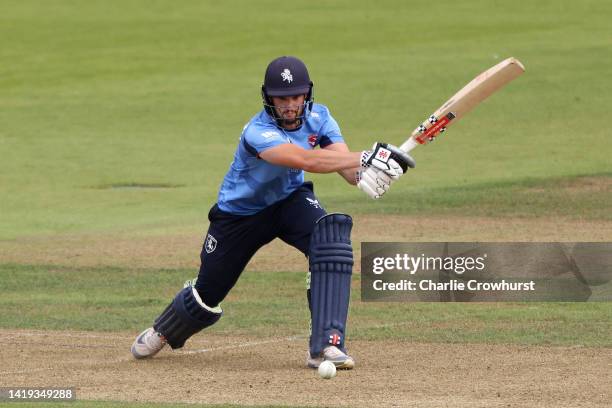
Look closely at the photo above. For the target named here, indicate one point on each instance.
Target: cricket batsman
(263, 196)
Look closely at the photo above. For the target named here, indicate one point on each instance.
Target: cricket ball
(327, 370)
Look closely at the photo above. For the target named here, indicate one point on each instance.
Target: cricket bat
(479, 89)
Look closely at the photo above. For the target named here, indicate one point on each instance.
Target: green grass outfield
(95, 94)
(123, 116)
(117, 299)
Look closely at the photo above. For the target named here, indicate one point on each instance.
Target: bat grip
(408, 145)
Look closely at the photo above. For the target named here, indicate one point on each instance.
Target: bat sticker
(437, 127)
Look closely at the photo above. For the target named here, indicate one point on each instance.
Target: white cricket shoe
(341, 360)
(147, 344)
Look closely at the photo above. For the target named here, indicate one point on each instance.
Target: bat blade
(476, 91)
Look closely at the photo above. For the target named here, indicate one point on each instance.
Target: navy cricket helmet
(287, 76)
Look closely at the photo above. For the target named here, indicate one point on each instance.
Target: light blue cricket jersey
(252, 184)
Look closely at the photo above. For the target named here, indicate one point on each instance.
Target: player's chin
(290, 122)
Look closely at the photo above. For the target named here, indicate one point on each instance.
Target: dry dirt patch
(217, 369)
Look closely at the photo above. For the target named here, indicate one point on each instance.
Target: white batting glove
(374, 182)
(387, 158)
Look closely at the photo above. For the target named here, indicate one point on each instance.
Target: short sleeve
(257, 139)
(330, 132)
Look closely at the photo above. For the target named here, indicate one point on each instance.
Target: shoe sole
(343, 365)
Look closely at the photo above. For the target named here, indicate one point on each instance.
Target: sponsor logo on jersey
(312, 140)
(211, 244)
(286, 75)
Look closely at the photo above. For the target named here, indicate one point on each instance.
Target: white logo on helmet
(286, 75)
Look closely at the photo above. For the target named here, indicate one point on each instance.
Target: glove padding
(387, 158)
(374, 182)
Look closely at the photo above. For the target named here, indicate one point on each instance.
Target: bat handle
(408, 145)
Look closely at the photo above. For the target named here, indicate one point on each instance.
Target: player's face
(289, 109)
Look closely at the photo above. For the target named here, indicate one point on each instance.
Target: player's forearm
(312, 161)
(350, 175)
(325, 161)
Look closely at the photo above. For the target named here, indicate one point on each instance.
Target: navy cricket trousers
(232, 240)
